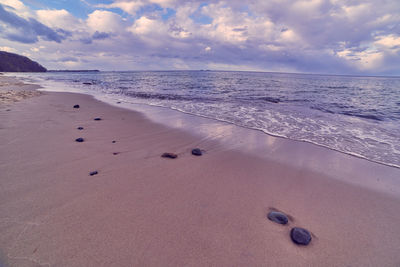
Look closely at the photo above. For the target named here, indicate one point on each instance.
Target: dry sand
(144, 210)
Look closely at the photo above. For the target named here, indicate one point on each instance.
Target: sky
(306, 36)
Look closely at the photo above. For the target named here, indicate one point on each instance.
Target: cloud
(331, 36)
(26, 30)
(105, 21)
(68, 59)
(58, 19)
(133, 6)
(130, 7)
(95, 36)
(7, 49)
(100, 35)
(147, 26)
(17, 6)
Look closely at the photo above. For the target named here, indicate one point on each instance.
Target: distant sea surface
(354, 115)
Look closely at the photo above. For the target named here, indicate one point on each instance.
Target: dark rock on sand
(278, 217)
(196, 152)
(300, 236)
(169, 155)
(116, 153)
(88, 83)
(76, 106)
(80, 128)
(97, 119)
(80, 140)
(119, 102)
(93, 173)
(113, 141)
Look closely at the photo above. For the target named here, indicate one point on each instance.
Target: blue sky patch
(199, 17)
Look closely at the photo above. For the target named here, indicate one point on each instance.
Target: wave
(279, 112)
(145, 95)
(336, 87)
(364, 116)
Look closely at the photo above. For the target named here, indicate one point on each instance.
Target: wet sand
(145, 210)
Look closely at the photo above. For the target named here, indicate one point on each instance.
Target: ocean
(355, 115)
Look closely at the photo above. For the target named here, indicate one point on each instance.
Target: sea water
(354, 115)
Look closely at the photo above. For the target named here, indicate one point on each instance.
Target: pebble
(97, 119)
(113, 142)
(278, 217)
(80, 140)
(93, 173)
(76, 106)
(300, 236)
(119, 102)
(197, 152)
(115, 153)
(80, 128)
(87, 83)
(169, 155)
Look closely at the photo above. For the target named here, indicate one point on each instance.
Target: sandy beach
(144, 210)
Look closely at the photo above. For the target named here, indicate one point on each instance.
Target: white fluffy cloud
(58, 19)
(18, 7)
(105, 21)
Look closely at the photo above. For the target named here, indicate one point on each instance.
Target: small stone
(113, 141)
(197, 152)
(76, 106)
(300, 236)
(115, 153)
(80, 140)
(97, 119)
(93, 173)
(278, 217)
(80, 128)
(119, 102)
(87, 83)
(8, 109)
(169, 155)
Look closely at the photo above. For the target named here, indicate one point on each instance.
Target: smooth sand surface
(144, 210)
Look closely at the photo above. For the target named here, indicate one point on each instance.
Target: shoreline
(141, 209)
(135, 105)
(230, 135)
(247, 128)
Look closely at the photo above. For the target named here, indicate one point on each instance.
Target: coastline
(142, 209)
(362, 139)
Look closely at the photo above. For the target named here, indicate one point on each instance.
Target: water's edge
(133, 104)
(123, 103)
